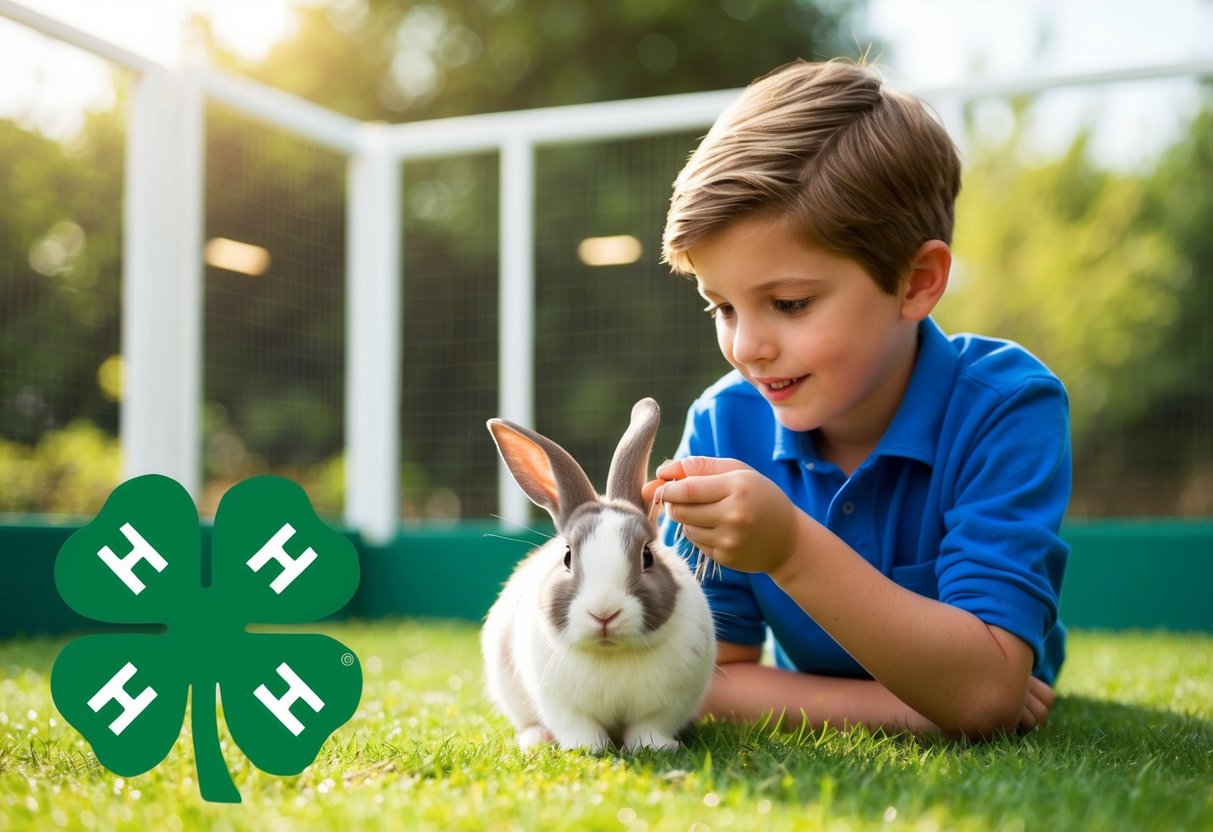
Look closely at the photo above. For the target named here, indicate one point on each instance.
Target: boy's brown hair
(857, 169)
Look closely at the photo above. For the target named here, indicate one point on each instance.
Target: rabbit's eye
(646, 559)
(568, 558)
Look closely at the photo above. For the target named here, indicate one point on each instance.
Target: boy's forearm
(943, 662)
(747, 691)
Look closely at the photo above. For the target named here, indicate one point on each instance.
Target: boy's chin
(794, 419)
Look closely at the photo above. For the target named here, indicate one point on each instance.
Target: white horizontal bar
(59, 30)
(552, 125)
(1198, 68)
(670, 113)
(280, 109)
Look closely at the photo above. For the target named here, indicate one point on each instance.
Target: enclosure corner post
(516, 304)
(162, 305)
(373, 337)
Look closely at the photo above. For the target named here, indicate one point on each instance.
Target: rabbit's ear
(544, 470)
(631, 460)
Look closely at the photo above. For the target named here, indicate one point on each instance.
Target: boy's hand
(733, 514)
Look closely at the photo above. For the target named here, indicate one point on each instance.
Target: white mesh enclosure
(274, 326)
(607, 335)
(61, 174)
(449, 338)
(1082, 232)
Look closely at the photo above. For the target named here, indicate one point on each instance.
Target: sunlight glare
(50, 84)
(250, 29)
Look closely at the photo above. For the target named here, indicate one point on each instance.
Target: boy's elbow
(994, 704)
(987, 714)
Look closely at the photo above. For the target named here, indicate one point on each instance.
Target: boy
(884, 498)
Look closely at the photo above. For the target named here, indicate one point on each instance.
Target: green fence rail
(1122, 574)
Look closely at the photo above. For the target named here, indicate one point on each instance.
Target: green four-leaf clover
(139, 562)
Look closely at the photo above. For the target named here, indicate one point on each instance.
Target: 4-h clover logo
(139, 562)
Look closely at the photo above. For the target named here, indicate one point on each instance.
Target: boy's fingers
(671, 470)
(1042, 691)
(693, 516)
(697, 466)
(649, 489)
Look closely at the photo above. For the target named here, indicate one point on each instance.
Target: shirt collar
(914, 432)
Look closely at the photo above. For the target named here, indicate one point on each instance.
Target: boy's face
(809, 329)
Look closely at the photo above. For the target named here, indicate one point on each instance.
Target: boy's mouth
(778, 389)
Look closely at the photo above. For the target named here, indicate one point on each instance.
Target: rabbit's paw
(586, 735)
(641, 736)
(532, 736)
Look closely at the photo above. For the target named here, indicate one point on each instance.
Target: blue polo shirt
(961, 501)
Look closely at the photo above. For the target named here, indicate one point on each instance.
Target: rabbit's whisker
(543, 534)
(525, 543)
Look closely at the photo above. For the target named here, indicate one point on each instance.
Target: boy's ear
(927, 279)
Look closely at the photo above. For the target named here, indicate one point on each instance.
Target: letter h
(281, 708)
(292, 568)
(114, 689)
(124, 568)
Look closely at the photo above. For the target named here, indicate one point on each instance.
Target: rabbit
(601, 637)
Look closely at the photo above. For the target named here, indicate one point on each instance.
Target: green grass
(1129, 746)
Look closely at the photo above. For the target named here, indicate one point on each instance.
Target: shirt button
(848, 508)
(809, 466)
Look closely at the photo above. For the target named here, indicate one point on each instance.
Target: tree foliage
(60, 267)
(380, 59)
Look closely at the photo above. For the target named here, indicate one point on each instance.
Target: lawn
(1129, 746)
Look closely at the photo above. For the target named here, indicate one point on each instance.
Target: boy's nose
(751, 343)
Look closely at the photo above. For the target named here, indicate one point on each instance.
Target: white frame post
(516, 308)
(373, 338)
(162, 304)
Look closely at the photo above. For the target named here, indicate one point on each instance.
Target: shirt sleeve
(735, 611)
(1002, 557)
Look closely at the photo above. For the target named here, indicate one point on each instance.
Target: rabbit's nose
(605, 619)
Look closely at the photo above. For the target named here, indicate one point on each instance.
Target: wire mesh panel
(613, 324)
(1090, 245)
(274, 327)
(450, 330)
(61, 172)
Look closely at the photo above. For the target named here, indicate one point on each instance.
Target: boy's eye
(792, 307)
(720, 310)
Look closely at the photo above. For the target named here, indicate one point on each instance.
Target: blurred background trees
(1104, 273)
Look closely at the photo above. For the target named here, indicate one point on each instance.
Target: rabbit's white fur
(581, 694)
